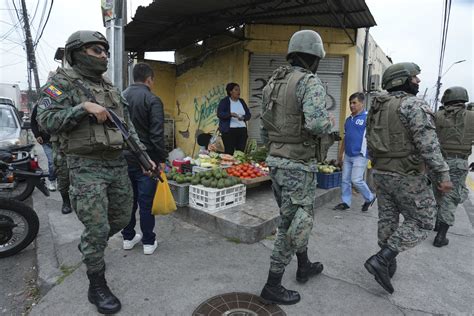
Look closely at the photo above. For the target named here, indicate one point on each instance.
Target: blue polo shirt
(354, 138)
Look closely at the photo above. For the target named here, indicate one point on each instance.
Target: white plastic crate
(197, 169)
(180, 192)
(212, 200)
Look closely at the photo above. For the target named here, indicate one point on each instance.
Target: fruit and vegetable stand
(217, 181)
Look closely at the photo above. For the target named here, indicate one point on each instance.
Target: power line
(12, 18)
(9, 52)
(444, 38)
(36, 9)
(12, 64)
(42, 17)
(46, 22)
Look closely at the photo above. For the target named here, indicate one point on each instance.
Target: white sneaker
(150, 249)
(52, 185)
(129, 244)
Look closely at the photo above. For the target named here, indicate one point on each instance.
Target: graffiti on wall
(205, 108)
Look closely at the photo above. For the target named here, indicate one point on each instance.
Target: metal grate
(237, 304)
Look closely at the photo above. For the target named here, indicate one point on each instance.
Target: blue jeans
(353, 171)
(48, 151)
(144, 189)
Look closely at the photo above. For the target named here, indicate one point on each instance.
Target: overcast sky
(407, 30)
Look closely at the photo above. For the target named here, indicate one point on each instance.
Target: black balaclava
(306, 61)
(89, 66)
(408, 87)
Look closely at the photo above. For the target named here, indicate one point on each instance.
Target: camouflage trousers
(294, 192)
(410, 196)
(448, 202)
(61, 168)
(101, 195)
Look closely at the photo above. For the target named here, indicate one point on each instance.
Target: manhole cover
(237, 304)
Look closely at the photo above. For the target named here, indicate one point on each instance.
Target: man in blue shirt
(354, 147)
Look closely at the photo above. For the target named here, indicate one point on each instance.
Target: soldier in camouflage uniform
(100, 189)
(401, 138)
(455, 129)
(293, 116)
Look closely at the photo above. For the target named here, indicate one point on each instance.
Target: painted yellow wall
(199, 90)
(164, 84)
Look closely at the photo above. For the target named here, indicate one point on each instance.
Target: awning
(173, 24)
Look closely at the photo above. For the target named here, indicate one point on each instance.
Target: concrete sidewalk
(192, 265)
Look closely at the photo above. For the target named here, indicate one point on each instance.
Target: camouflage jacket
(311, 94)
(61, 104)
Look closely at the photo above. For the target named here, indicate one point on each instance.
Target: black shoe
(274, 293)
(366, 205)
(436, 227)
(392, 267)
(100, 295)
(341, 207)
(377, 265)
(307, 269)
(66, 208)
(440, 239)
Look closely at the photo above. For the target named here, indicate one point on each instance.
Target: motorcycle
(20, 174)
(19, 226)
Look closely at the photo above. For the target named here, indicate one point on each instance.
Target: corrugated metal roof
(173, 24)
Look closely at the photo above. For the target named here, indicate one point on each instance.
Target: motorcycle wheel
(22, 191)
(19, 226)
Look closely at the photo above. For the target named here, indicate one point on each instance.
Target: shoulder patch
(45, 103)
(53, 92)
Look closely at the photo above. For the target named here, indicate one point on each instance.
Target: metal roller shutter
(330, 71)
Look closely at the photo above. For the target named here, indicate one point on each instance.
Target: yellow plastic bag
(163, 202)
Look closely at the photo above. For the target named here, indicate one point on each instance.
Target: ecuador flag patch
(53, 92)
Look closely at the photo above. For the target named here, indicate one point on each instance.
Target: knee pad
(300, 228)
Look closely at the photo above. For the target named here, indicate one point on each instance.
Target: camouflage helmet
(397, 74)
(80, 38)
(455, 94)
(308, 42)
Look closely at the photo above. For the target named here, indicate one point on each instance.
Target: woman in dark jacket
(233, 114)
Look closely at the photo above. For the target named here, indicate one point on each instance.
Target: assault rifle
(115, 121)
(141, 155)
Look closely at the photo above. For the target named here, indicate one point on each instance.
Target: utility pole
(438, 82)
(30, 51)
(115, 37)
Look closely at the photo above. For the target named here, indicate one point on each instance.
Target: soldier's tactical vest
(88, 138)
(283, 117)
(390, 144)
(455, 129)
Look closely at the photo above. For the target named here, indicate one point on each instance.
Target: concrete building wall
(377, 61)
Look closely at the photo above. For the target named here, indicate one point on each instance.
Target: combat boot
(392, 267)
(274, 293)
(66, 208)
(436, 227)
(440, 239)
(306, 269)
(378, 264)
(100, 295)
